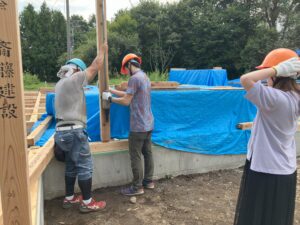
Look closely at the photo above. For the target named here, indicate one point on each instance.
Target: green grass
(32, 82)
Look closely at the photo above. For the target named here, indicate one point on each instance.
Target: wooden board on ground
(155, 85)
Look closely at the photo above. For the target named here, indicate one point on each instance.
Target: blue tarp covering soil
(200, 121)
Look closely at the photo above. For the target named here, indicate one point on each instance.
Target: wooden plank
(39, 159)
(14, 180)
(29, 115)
(34, 192)
(44, 91)
(33, 117)
(224, 88)
(1, 217)
(29, 126)
(30, 93)
(38, 132)
(103, 74)
(154, 85)
(244, 126)
(42, 110)
(248, 125)
(99, 147)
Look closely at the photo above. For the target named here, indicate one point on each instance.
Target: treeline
(194, 34)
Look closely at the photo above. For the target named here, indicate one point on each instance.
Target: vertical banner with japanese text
(14, 182)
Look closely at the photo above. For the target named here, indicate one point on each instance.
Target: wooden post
(103, 77)
(14, 180)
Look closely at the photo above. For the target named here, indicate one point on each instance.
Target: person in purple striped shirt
(138, 97)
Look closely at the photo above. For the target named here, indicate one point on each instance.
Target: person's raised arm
(288, 68)
(97, 64)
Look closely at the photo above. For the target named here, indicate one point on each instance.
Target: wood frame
(27, 165)
(34, 116)
(38, 132)
(103, 77)
(14, 178)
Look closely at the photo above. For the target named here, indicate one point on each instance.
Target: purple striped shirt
(141, 117)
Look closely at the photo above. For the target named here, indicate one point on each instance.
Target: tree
(28, 21)
(43, 37)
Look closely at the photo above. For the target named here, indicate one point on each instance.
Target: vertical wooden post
(103, 77)
(14, 180)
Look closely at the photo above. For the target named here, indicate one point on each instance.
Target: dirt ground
(203, 199)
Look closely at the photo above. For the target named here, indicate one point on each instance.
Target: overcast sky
(84, 8)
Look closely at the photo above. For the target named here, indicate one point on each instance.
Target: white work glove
(66, 71)
(288, 68)
(106, 96)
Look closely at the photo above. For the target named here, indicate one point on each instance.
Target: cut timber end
(244, 126)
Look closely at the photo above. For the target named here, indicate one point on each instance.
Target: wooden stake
(14, 180)
(103, 77)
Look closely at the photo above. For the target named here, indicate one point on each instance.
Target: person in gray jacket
(71, 136)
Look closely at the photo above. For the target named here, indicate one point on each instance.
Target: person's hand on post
(106, 95)
(288, 68)
(100, 58)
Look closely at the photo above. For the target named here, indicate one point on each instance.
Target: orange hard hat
(277, 56)
(126, 59)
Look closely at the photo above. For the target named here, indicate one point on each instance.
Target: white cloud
(83, 8)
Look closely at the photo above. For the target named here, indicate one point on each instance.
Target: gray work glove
(106, 96)
(288, 68)
(66, 71)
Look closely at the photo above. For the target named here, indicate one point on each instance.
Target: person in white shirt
(268, 187)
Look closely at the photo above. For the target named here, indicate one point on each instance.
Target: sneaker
(148, 185)
(131, 191)
(93, 206)
(69, 203)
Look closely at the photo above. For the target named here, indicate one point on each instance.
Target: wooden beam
(39, 158)
(154, 85)
(100, 147)
(1, 216)
(103, 74)
(38, 132)
(14, 180)
(34, 192)
(44, 91)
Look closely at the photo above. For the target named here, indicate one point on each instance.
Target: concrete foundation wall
(114, 169)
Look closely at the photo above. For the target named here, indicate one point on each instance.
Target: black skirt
(266, 199)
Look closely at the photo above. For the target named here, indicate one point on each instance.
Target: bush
(30, 79)
(32, 82)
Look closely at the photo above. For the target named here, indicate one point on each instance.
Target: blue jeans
(77, 153)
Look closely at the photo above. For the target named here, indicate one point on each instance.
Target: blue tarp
(235, 83)
(200, 121)
(209, 77)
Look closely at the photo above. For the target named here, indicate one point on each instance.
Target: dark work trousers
(140, 143)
